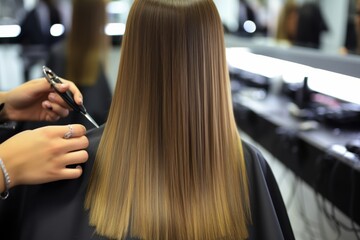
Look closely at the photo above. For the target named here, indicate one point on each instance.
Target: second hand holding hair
(53, 79)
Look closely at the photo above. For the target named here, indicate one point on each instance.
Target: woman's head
(170, 165)
(167, 41)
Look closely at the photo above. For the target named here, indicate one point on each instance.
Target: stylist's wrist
(6, 169)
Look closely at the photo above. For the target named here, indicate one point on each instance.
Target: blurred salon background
(294, 69)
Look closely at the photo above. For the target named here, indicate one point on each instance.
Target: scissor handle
(68, 96)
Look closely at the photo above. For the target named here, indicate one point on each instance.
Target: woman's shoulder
(253, 156)
(269, 215)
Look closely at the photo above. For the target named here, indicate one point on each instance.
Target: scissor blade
(90, 119)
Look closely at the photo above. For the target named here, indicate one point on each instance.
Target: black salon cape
(55, 211)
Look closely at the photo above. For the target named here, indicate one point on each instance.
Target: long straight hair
(170, 162)
(87, 42)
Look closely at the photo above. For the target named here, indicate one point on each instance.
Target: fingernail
(63, 85)
(48, 106)
(81, 99)
(52, 96)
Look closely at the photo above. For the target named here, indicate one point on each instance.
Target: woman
(169, 162)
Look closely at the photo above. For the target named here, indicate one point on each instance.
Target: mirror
(259, 20)
(338, 17)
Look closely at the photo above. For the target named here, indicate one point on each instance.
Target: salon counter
(315, 152)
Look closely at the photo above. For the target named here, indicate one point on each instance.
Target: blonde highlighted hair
(170, 163)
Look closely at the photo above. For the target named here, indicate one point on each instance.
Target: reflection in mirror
(287, 23)
(330, 22)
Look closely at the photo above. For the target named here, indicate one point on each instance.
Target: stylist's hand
(35, 100)
(41, 155)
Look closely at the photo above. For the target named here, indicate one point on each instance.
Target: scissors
(68, 97)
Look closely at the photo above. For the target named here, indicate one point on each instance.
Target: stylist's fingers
(50, 115)
(71, 173)
(68, 85)
(74, 130)
(76, 157)
(75, 143)
(55, 99)
(55, 110)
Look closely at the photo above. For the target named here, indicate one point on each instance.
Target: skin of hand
(36, 100)
(41, 155)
